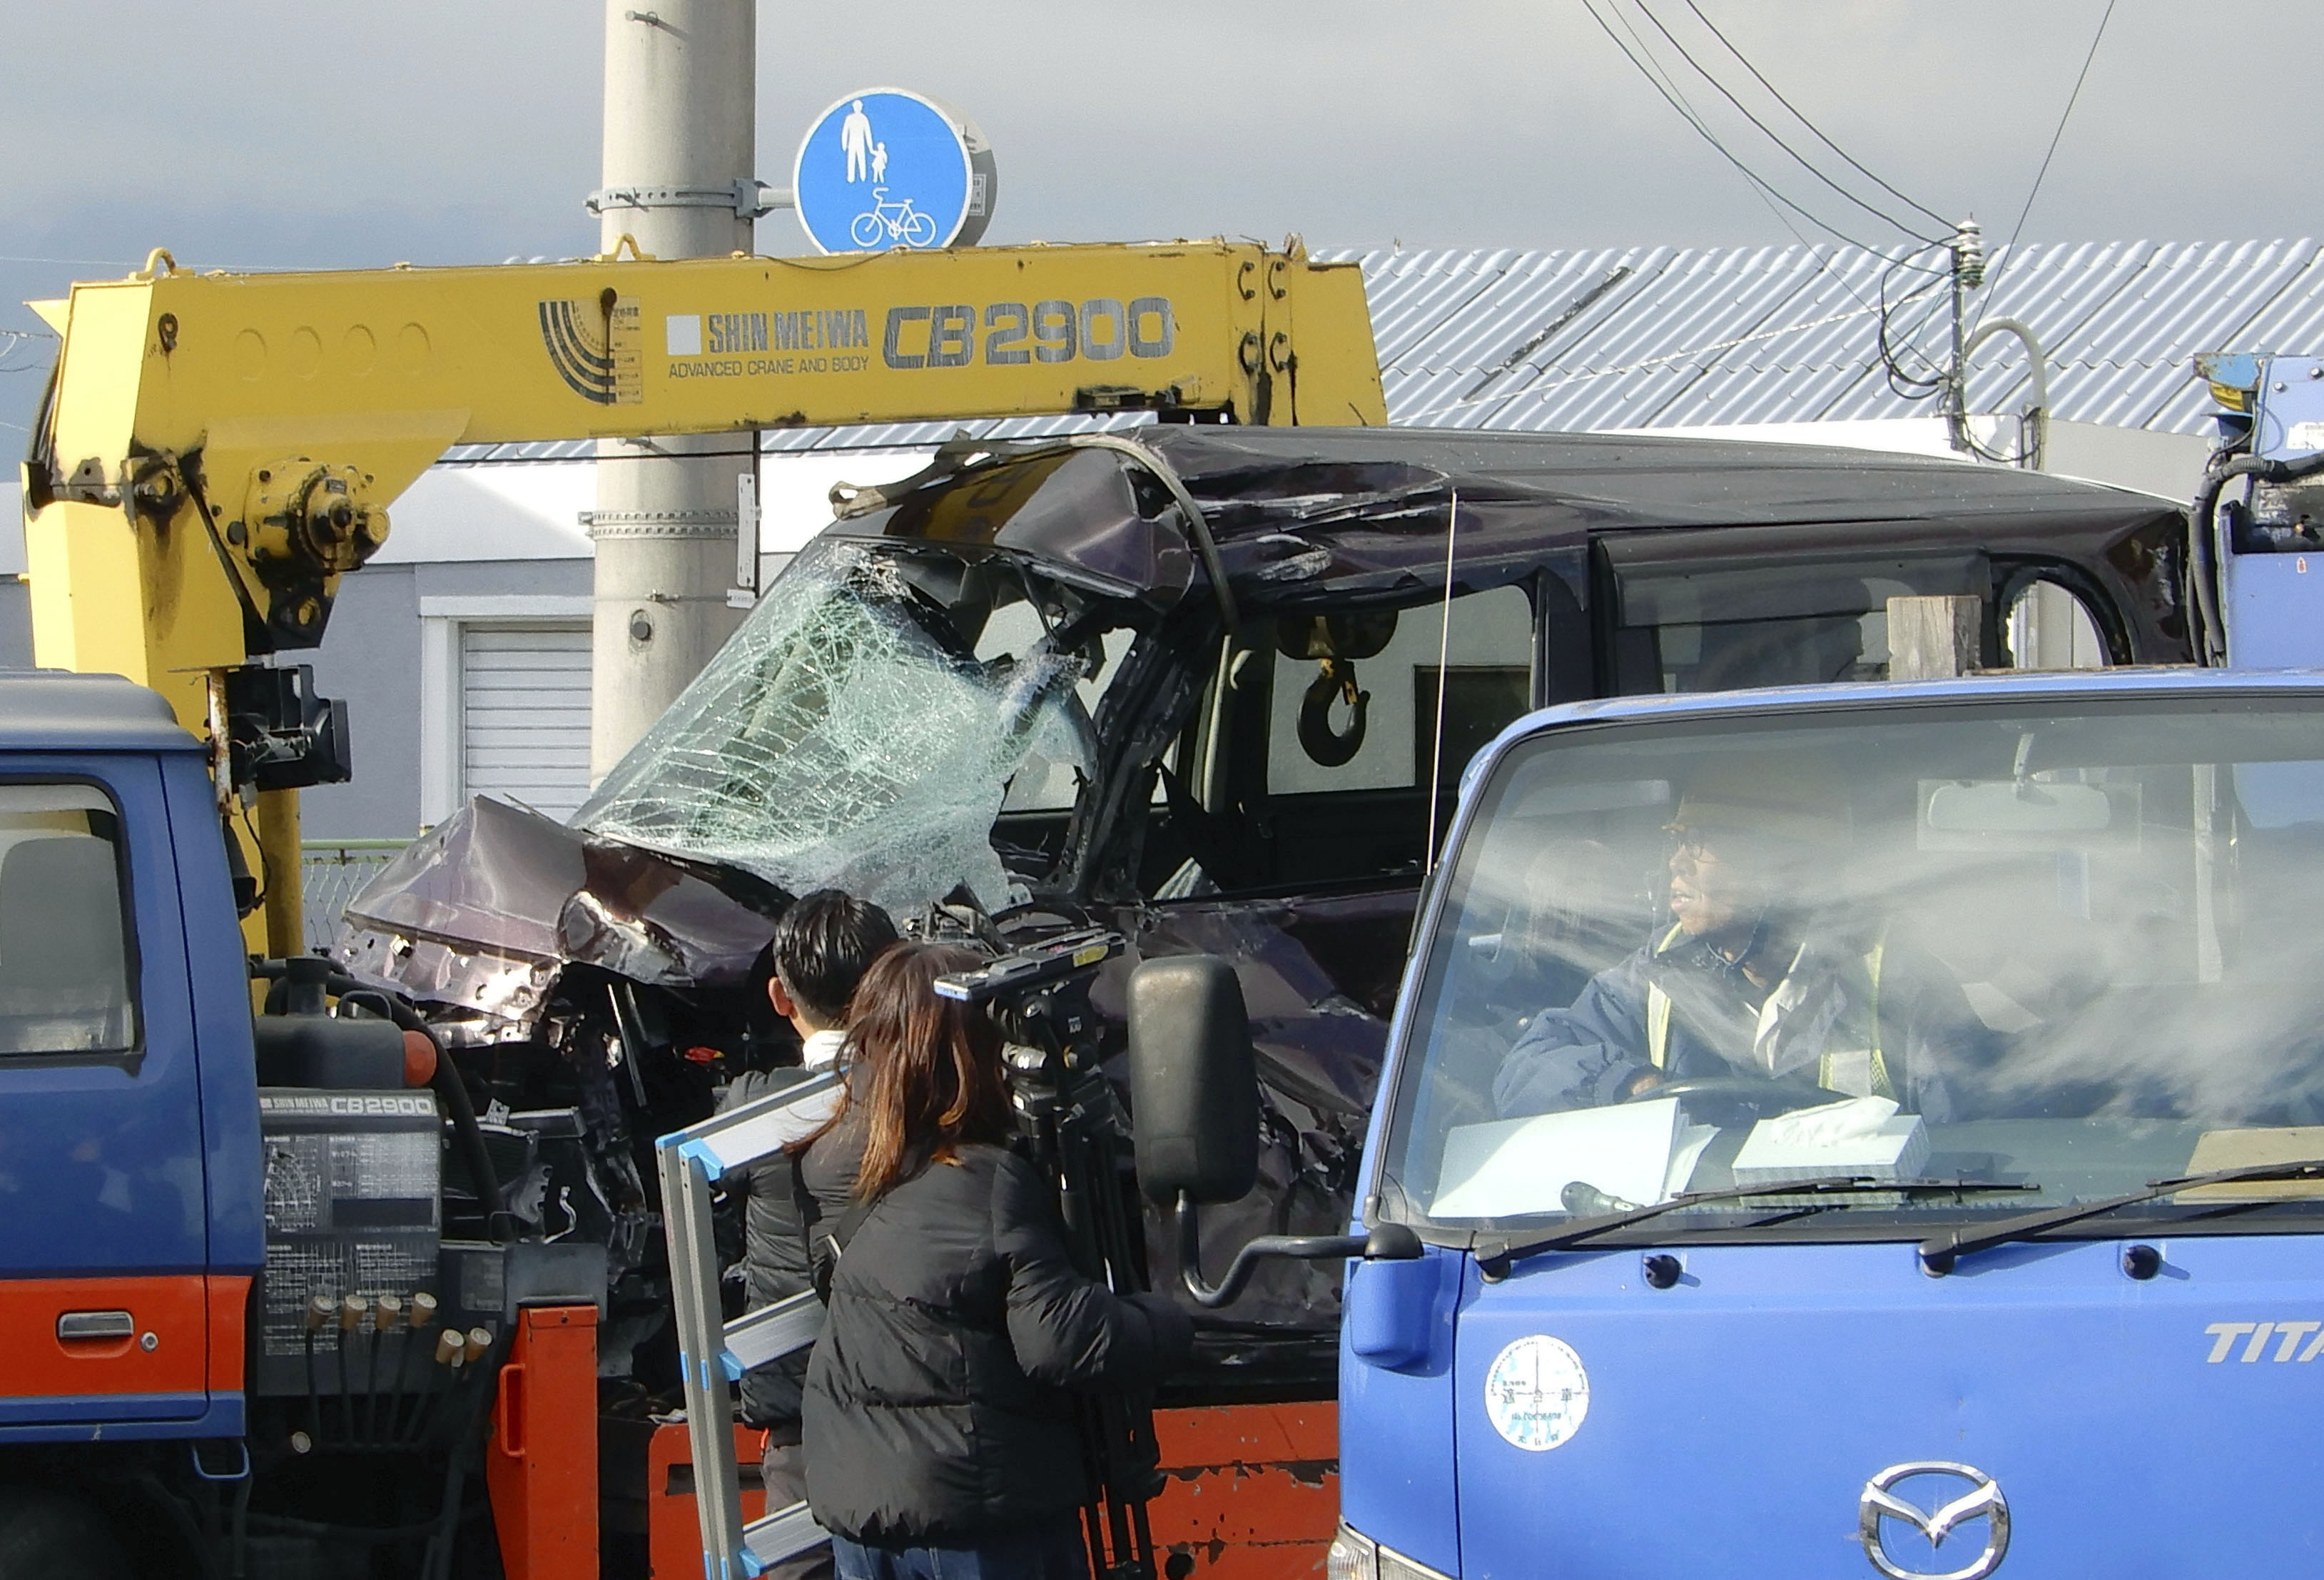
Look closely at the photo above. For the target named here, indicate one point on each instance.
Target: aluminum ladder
(713, 1352)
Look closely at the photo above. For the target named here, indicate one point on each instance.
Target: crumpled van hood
(479, 913)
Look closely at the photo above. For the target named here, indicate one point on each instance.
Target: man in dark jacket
(1761, 974)
(821, 948)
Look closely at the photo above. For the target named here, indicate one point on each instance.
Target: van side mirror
(1193, 1083)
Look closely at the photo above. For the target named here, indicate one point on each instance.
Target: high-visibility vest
(1658, 1019)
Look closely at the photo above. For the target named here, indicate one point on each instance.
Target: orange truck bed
(1250, 1492)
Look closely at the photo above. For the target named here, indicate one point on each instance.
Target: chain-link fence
(331, 872)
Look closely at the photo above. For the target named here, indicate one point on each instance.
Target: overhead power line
(12, 339)
(2010, 254)
(1760, 189)
(1772, 135)
(74, 262)
(1900, 320)
(1672, 97)
(1889, 351)
(1813, 129)
(1647, 63)
(1893, 346)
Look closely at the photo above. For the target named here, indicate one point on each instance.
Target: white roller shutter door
(524, 714)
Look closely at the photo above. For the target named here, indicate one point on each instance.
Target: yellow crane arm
(217, 450)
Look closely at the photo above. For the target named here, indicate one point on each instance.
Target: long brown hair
(932, 1081)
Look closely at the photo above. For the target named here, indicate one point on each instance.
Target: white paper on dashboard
(1685, 1154)
(1518, 1165)
(1862, 1135)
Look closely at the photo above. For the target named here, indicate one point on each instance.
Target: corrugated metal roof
(1688, 336)
(1670, 337)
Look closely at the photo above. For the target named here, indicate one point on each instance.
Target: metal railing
(332, 872)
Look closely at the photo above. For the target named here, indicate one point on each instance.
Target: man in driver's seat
(1763, 973)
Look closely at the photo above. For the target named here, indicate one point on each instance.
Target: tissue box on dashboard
(1866, 1135)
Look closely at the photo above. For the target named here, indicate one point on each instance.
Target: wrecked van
(1211, 686)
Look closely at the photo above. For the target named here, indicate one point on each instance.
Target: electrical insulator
(1969, 254)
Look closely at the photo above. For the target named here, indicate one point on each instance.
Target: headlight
(1395, 1565)
(1351, 1557)
(1356, 1556)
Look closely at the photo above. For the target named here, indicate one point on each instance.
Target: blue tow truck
(132, 1221)
(238, 1337)
(1839, 1131)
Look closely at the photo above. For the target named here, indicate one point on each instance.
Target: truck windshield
(2061, 945)
(868, 724)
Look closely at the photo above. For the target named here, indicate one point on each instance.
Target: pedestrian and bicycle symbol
(885, 224)
(885, 167)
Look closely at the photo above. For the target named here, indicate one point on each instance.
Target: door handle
(509, 1415)
(85, 1326)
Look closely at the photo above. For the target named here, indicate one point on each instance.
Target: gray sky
(269, 132)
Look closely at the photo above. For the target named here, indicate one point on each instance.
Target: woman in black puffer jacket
(940, 1434)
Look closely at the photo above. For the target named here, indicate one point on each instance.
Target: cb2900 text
(1015, 333)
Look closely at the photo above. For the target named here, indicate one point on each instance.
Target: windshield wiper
(1940, 1251)
(1494, 1261)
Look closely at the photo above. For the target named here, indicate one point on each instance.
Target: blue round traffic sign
(884, 169)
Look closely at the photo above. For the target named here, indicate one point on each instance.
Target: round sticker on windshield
(1536, 1392)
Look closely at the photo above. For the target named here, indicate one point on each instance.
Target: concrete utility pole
(681, 80)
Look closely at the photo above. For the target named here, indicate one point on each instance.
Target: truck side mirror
(1193, 1083)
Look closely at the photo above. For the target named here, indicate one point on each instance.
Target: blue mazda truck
(1849, 1130)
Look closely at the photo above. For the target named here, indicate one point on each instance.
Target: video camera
(1039, 996)
(1071, 1126)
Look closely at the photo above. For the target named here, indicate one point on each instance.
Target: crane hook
(1323, 744)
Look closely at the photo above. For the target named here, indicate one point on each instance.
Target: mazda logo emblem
(1981, 1501)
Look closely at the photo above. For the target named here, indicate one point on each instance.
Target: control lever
(351, 1310)
(387, 1310)
(418, 1315)
(454, 1350)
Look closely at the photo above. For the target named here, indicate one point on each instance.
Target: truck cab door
(106, 1310)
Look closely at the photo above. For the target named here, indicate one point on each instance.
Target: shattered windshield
(863, 728)
(2055, 948)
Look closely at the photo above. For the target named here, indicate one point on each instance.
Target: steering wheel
(1062, 910)
(1724, 1098)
